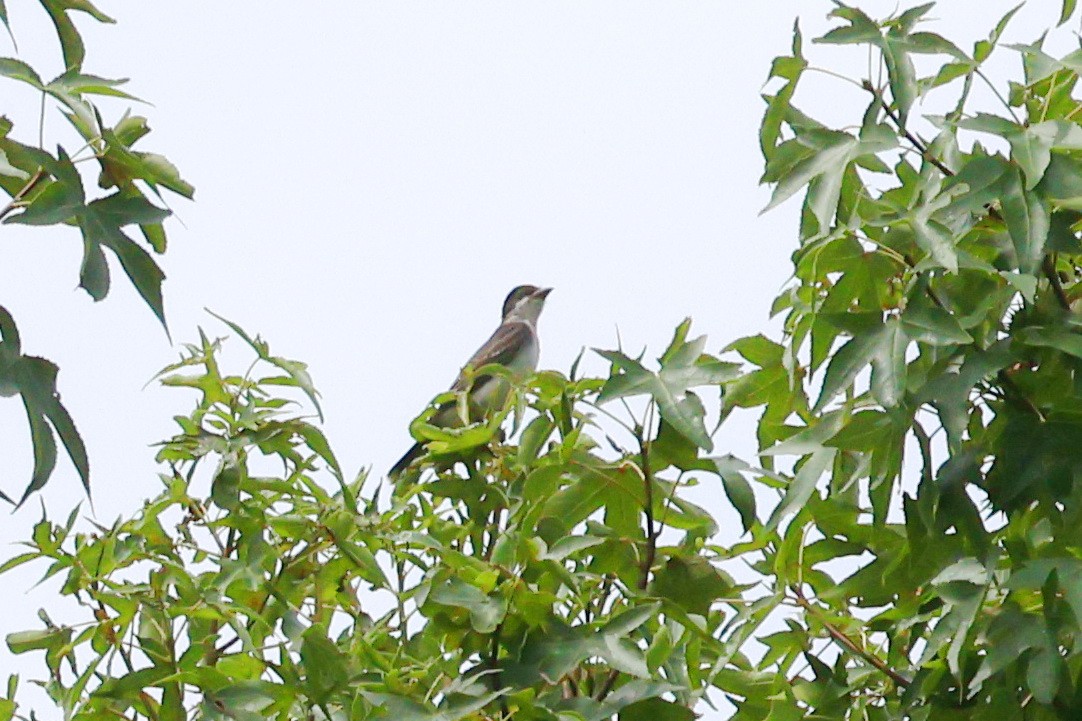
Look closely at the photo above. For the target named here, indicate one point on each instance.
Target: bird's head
(525, 303)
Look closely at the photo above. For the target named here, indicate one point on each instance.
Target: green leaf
(1043, 674)
(901, 73)
(683, 367)
(70, 41)
(139, 266)
(121, 165)
(6, 168)
(865, 431)
(225, 488)
(326, 667)
(981, 176)
(931, 43)
(778, 106)
(846, 364)
(100, 223)
(595, 487)
(57, 203)
(24, 641)
(935, 239)
(1062, 339)
(1066, 11)
(35, 380)
(861, 28)
(71, 87)
(15, 561)
(758, 349)
(44, 444)
(630, 619)
(18, 70)
(297, 371)
(72, 83)
(888, 364)
(692, 583)
(832, 153)
(629, 693)
(569, 546)
(1027, 216)
(94, 271)
(737, 488)
(1031, 147)
(927, 323)
(809, 439)
(318, 442)
(656, 709)
(988, 123)
(550, 655)
(486, 612)
(802, 486)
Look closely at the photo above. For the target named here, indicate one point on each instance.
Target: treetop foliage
(910, 540)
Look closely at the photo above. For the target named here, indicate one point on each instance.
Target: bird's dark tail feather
(415, 452)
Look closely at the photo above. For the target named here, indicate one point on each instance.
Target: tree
(920, 561)
(46, 189)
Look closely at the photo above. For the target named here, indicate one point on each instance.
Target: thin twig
(839, 636)
(922, 148)
(916, 142)
(1049, 267)
(41, 122)
(606, 687)
(995, 91)
(925, 444)
(1016, 395)
(648, 508)
(30, 184)
(831, 73)
(494, 666)
(400, 573)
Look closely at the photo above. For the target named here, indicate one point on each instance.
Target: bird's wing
(501, 348)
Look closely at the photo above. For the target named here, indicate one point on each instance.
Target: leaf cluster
(538, 578)
(926, 388)
(46, 188)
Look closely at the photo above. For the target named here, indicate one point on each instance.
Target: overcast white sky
(373, 177)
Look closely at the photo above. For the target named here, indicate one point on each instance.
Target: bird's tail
(415, 452)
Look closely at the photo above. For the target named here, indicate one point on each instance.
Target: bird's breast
(526, 359)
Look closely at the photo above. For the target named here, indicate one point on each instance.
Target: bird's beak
(542, 293)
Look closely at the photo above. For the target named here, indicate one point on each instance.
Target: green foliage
(928, 379)
(910, 536)
(538, 578)
(46, 189)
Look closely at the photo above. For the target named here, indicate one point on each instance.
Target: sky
(373, 177)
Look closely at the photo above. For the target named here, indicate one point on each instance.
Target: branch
(494, 666)
(606, 687)
(922, 148)
(841, 639)
(925, 444)
(1049, 267)
(919, 145)
(1016, 396)
(651, 531)
(30, 184)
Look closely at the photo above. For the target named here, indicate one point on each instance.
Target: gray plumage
(513, 345)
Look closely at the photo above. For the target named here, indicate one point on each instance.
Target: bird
(513, 345)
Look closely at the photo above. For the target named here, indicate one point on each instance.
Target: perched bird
(514, 345)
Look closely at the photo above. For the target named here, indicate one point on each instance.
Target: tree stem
(651, 531)
(843, 640)
(30, 184)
